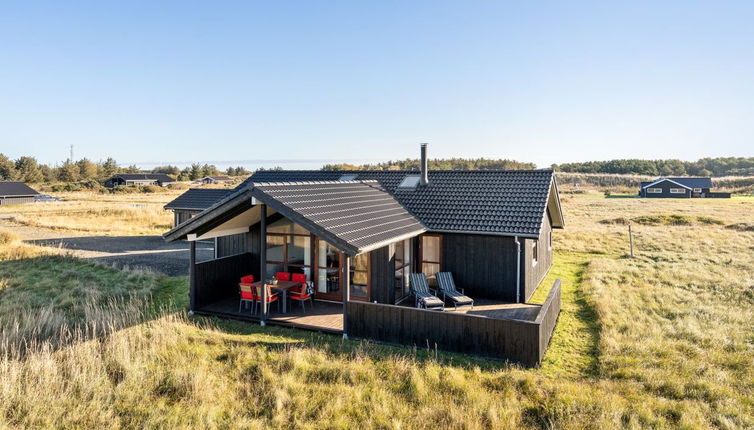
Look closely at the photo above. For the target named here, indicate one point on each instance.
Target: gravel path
(151, 252)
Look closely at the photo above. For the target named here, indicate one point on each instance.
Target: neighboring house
(679, 188)
(15, 193)
(214, 180)
(356, 236)
(194, 201)
(160, 179)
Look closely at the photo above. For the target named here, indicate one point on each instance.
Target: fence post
(631, 240)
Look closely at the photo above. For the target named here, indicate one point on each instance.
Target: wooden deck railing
(519, 341)
(218, 279)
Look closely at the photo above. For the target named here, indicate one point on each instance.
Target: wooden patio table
(281, 287)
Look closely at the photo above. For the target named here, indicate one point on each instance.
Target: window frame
(697, 190)
(404, 267)
(534, 252)
(421, 260)
(654, 190)
(285, 263)
(677, 191)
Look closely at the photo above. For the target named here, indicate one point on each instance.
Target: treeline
(27, 169)
(438, 164)
(197, 171)
(722, 166)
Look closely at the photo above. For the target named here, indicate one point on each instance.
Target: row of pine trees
(27, 169)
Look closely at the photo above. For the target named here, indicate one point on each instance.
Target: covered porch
(334, 235)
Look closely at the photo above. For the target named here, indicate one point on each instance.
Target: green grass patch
(573, 348)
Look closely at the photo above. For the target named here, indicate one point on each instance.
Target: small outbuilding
(160, 179)
(15, 193)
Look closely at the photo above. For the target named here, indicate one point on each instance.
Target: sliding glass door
(329, 279)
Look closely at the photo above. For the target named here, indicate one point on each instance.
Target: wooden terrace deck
(325, 316)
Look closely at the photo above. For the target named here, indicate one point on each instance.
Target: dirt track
(123, 251)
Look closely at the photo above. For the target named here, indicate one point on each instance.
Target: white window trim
(697, 190)
(654, 190)
(677, 191)
(549, 241)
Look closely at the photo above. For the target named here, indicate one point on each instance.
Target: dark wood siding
(516, 340)
(484, 266)
(16, 200)
(533, 274)
(232, 245)
(382, 266)
(218, 279)
(181, 215)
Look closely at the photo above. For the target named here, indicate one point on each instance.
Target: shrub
(7, 237)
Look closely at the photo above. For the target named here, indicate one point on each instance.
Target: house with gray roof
(193, 201)
(682, 187)
(122, 179)
(356, 236)
(16, 193)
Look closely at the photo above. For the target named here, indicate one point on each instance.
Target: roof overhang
(242, 209)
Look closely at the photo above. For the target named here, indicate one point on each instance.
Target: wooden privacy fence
(218, 279)
(519, 341)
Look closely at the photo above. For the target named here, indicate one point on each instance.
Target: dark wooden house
(193, 201)
(679, 188)
(159, 179)
(357, 235)
(15, 193)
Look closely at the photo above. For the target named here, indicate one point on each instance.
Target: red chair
(283, 276)
(299, 292)
(271, 297)
(247, 296)
(248, 279)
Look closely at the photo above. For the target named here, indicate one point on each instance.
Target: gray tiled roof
(482, 201)
(11, 189)
(689, 182)
(198, 198)
(356, 216)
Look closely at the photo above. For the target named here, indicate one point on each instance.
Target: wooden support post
(263, 259)
(346, 293)
(631, 240)
(192, 276)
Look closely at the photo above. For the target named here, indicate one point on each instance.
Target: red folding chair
(283, 276)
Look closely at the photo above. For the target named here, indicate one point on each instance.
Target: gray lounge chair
(424, 297)
(449, 291)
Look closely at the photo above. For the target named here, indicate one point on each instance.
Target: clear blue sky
(348, 81)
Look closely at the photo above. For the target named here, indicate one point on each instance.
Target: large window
(359, 272)
(431, 255)
(677, 191)
(288, 249)
(654, 190)
(402, 268)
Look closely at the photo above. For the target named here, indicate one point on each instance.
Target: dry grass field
(661, 340)
(97, 214)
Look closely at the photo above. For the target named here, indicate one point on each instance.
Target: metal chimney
(423, 166)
